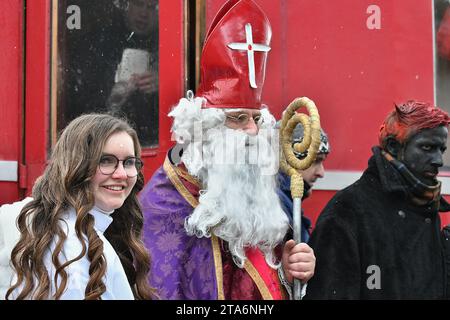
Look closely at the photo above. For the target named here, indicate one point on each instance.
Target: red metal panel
(171, 77)
(10, 90)
(37, 86)
(355, 74)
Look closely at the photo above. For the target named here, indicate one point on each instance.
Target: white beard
(240, 204)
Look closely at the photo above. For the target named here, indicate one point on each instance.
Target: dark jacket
(370, 242)
(284, 193)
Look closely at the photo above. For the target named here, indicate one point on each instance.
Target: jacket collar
(391, 180)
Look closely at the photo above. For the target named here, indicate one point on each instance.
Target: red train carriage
(354, 58)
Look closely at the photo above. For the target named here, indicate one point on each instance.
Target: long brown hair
(66, 183)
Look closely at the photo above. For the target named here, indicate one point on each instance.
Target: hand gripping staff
(291, 165)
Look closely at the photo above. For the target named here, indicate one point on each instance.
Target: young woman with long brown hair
(80, 235)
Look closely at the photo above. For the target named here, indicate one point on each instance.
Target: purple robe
(182, 266)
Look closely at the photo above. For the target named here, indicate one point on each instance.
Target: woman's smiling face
(110, 191)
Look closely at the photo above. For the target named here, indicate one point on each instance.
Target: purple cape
(183, 266)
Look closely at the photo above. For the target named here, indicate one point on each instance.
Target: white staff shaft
(297, 226)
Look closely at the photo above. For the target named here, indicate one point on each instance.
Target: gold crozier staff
(291, 165)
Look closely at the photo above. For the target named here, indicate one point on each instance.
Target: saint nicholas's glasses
(243, 119)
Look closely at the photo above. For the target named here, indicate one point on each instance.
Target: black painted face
(423, 153)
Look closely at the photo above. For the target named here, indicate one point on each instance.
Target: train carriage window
(105, 56)
(442, 60)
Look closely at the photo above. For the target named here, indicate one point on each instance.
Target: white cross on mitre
(250, 47)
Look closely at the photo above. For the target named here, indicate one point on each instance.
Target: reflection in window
(442, 60)
(108, 61)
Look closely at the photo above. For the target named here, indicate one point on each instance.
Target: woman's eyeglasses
(109, 163)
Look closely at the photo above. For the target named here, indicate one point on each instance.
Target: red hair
(409, 118)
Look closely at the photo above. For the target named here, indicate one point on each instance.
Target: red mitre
(234, 56)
